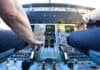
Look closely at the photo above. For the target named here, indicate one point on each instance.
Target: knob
(71, 66)
(26, 65)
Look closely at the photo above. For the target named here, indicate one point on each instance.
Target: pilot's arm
(88, 40)
(11, 12)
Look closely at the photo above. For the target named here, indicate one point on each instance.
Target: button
(94, 68)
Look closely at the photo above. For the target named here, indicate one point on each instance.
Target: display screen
(50, 28)
(69, 28)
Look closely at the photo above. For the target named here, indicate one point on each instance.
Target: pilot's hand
(37, 43)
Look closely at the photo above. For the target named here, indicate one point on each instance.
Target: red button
(94, 68)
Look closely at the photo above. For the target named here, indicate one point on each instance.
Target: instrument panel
(56, 54)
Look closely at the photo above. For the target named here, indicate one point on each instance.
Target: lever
(43, 65)
(54, 65)
(27, 63)
(66, 58)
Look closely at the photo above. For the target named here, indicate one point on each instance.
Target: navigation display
(69, 28)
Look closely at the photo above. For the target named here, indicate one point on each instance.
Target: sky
(89, 3)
